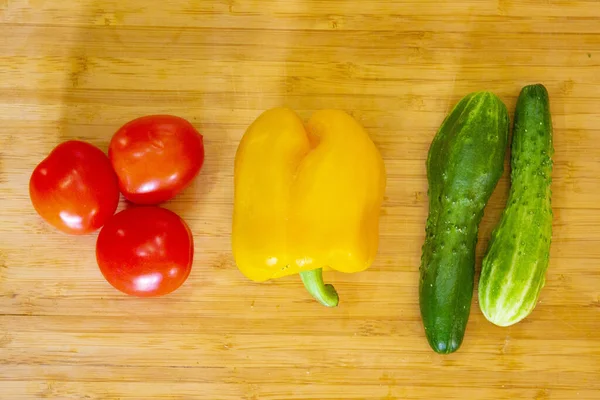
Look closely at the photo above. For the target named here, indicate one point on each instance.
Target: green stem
(324, 294)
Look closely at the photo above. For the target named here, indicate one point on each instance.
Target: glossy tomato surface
(74, 188)
(156, 157)
(145, 251)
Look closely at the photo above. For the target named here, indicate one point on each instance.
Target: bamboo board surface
(80, 69)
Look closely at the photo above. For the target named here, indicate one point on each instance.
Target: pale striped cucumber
(514, 267)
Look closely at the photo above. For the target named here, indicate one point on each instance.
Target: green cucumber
(514, 267)
(464, 164)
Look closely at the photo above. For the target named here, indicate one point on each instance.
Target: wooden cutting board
(80, 69)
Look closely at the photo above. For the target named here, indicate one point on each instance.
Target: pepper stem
(324, 294)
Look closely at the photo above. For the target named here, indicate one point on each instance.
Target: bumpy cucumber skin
(514, 267)
(464, 164)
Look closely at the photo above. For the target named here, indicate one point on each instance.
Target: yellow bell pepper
(306, 198)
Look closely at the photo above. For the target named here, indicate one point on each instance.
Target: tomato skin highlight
(145, 251)
(74, 188)
(156, 157)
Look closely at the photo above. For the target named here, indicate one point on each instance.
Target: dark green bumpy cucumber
(514, 267)
(464, 164)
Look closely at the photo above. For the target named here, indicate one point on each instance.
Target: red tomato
(74, 188)
(145, 251)
(156, 157)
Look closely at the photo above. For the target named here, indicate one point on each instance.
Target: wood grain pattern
(80, 69)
